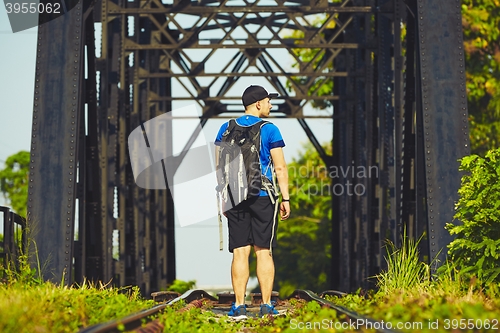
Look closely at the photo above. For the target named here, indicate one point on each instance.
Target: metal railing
(13, 239)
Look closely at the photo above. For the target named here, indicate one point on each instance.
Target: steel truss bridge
(395, 75)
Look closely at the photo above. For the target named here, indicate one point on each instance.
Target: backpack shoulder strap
(230, 126)
(264, 122)
(258, 125)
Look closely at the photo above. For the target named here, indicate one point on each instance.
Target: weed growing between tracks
(306, 316)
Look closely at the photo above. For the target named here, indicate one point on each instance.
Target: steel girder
(441, 115)
(54, 143)
(388, 112)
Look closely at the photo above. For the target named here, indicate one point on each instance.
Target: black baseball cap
(255, 93)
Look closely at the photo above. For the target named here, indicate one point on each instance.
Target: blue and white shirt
(270, 137)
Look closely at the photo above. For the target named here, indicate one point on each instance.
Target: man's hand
(285, 210)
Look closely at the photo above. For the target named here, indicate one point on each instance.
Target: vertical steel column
(358, 191)
(408, 131)
(366, 171)
(338, 268)
(162, 261)
(54, 143)
(123, 177)
(108, 105)
(361, 246)
(88, 247)
(386, 195)
(444, 113)
(343, 156)
(371, 166)
(399, 8)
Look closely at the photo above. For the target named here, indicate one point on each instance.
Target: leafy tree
(314, 58)
(14, 181)
(481, 24)
(303, 254)
(474, 250)
(181, 286)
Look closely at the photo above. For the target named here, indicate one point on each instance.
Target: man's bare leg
(265, 273)
(240, 273)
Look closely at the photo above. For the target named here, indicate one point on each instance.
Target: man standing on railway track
(252, 222)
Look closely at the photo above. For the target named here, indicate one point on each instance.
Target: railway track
(147, 321)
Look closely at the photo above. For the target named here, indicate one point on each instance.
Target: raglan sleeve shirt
(272, 134)
(222, 129)
(271, 138)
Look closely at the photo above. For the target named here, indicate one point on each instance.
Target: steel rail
(136, 320)
(310, 296)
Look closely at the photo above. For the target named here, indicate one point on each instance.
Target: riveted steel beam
(54, 142)
(443, 114)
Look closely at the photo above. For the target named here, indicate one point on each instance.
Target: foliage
(404, 269)
(303, 254)
(21, 272)
(314, 59)
(49, 308)
(481, 25)
(28, 304)
(428, 310)
(18, 266)
(475, 249)
(14, 181)
(412, 304)
(181, 286)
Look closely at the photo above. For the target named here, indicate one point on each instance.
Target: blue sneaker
(266, 309)
(239, 312)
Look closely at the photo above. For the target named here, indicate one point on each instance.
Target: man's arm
(282, 174)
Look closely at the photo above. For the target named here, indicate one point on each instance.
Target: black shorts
(252, 222)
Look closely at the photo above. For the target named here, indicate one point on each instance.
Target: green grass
(428, 305)
(407, 294)
(404, 271)
(45, 307)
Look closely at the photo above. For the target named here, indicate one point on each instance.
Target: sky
(197, 246)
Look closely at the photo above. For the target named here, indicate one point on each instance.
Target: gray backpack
(239, 172)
